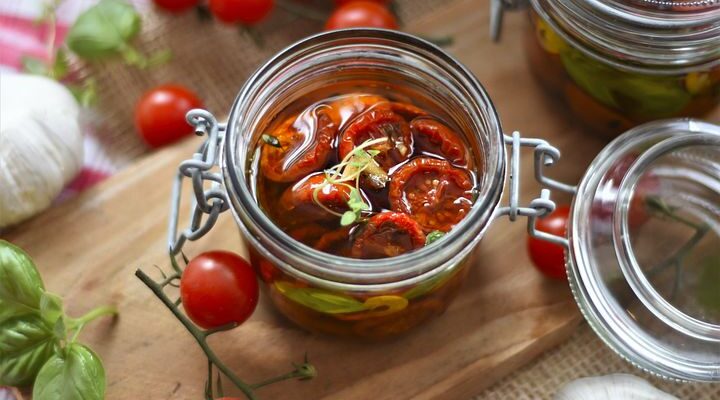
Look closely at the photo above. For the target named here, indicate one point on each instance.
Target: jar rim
(595, 301)
(350, 273)
(637, 39)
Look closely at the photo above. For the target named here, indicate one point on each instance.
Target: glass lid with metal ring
(643, 256)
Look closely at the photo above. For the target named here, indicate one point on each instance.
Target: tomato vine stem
(302, 371)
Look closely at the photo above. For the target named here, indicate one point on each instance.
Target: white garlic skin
(41, 144)
(611, 387)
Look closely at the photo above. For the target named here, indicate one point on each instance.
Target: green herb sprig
(38, 341)
(104, 31)
(347, 173)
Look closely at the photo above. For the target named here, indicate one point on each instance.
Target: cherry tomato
(218, 288)
(300, 199)
(160, 114)
(376, 123)
(283, 163)
(548, 257)
(436, 194)
(246, 12)
(361, 14)
(176, 6)
(388, 234)
(436, 138)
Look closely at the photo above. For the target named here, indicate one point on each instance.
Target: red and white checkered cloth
(20, 35)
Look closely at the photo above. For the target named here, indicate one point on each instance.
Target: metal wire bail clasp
(497, 9)
(211, 200)
(545, 155)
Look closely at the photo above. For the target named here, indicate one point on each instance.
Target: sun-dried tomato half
(407, 111)
(300, 200)
(335, 242)
(436, 194)
(388, 234)
(437, 138)
(345, 108)
(291, 154)
(307, 233)
(376, 123)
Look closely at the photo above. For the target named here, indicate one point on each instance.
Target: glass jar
(620, 63)
(362, 298)
(344, 296)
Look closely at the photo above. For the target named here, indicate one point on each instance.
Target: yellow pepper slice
(548, 39)
(384, 305)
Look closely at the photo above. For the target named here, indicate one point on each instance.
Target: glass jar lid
(648, 35)
(644, 254)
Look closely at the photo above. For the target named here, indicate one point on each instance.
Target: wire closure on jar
(497, 9)
(212, 201)
(545, 155)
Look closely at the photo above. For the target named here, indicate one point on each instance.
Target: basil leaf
(708, 291)
(320, 300)
(51, 308)
(104, 29)
(26, 343)
(645, 96)
(73, 374)
(20, 284)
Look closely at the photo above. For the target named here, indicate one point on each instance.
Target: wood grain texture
(88, 249)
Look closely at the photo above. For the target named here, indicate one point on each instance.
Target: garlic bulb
(41, 146)
(611, 387)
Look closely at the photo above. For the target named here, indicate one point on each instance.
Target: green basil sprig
(74, 373)
(106, 30)
(35, 332)
(20, 284)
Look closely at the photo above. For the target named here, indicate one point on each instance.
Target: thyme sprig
(347, 173)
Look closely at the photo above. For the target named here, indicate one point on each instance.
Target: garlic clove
(611, 387)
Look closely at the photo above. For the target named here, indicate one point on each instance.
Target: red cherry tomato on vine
(218, 288)
(160, 114)
(361, 14)
(247, 12)
(176, 6)
(548, 257)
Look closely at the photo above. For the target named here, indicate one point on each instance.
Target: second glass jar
(617, 64)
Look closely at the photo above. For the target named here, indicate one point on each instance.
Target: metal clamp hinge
(211, 200)
(545, 155)
(497, 9)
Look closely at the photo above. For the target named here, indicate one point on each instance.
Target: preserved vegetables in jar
(618, 64)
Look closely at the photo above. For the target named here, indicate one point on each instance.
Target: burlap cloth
(214, 60)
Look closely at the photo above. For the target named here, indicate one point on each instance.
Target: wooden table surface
(88, 249)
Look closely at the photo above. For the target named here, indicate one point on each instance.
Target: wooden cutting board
(88, 249)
